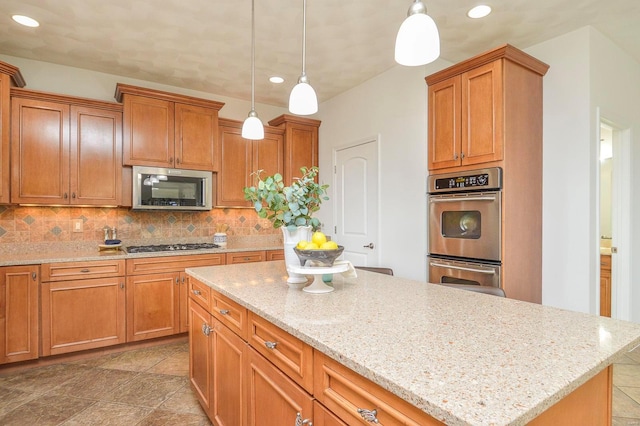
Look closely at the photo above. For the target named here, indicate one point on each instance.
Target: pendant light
(418, 41)
(303, 99)
(252, 127)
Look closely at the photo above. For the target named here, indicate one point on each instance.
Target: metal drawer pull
(85, 270)
(368, 415)
(197, 292)
(459, 199)
(206, 330)
(300, 422)
(461, 268)
(34, 276)
(270, 345)
(224, 311)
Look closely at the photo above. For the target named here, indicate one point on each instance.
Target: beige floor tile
(41, 380)
(13, 398)
(621, 421)
(624, 405)
(183, 401)
(109, 414)
(632, 392)
(626, 374)
(137, 360)
(147, 390)
(94, 383)
(168, 418)
(44, 411)
(176, 364)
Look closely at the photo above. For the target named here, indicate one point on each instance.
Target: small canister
(220, 238)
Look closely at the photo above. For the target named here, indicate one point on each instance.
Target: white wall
(394, 106)
(48, 77)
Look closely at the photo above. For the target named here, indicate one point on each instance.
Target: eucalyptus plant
(289, 206)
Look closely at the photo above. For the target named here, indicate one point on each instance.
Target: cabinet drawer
(288, 353)
(275, 254)
(229, 313)
(605, 262)
(81, 270)
(145, 265)
(246, 257)
(345, 392)
(200, 292)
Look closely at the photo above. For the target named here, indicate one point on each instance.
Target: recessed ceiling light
(479, 11)
(277, 80)
(26, 21)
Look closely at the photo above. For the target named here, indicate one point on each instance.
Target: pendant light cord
(253, 55)
(304, 35)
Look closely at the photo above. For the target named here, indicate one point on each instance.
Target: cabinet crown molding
(287, 118)
(14, 73)
(72, 100)
(125, 89)
(506, 51)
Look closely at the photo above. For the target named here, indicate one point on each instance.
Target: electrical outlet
(77, 225)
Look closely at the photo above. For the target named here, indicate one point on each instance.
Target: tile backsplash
(55, 224)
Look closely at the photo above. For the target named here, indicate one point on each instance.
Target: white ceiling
(205, 44)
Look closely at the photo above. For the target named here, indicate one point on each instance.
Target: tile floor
(149, 386)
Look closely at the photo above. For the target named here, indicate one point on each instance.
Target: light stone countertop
(462, 357)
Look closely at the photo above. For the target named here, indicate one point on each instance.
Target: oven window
(452, 280)
(466, 224)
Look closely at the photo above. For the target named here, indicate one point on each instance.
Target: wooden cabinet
(157, 294)
(19, 313)
(168, 130)
(479, 106)
(275, 255)
(300, 143)
(605, 285)
(272, 397)
(83, 305)
(76, 143)
(240, 157)
(200, 353)
(246, 257)
(9, 76)
(324, 417)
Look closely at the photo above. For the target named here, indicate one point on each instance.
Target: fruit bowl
(325, 257)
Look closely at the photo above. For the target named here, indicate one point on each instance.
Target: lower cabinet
(19, 313)
(605, 285)
(324, 417)
(83, 306)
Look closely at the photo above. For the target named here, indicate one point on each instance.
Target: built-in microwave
(156, 188)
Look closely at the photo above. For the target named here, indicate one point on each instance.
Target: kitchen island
(462, 358)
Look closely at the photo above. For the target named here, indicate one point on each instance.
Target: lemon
(329, 245)
(311, 246)
(302, 244)
(319, 238)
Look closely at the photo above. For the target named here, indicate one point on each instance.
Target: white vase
(291, 239)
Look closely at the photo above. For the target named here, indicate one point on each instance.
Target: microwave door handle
(462, 268)
(458, 199)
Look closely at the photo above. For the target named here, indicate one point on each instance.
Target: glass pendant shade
(252, 127)
(303, 99)
(418, 40)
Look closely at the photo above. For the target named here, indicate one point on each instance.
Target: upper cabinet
(9, 76)
(65, 150)
(300, 143)
(479, 106)
(168, 130)
(241, 157)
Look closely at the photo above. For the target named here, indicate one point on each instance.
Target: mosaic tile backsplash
(55, 224)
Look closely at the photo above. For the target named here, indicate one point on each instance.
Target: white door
(356, 195)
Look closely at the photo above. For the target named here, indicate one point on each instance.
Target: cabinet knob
(177, 161)
(197, 292)
(73, 195)
(224, 311)
(455, 156)
(300, 422)
(177, 280)
(34, 276)
(65, 196)
(462, 155)
(270, 345)
(121, 285)
(84, 271)
(368, 415)
(206, 330)
(171, 159)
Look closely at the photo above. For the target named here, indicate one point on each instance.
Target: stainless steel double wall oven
(465, 222)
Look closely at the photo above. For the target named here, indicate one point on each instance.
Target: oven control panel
(466, 181)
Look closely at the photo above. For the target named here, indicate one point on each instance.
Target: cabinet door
(196, 136)
(268, 155)
(482, 114)
(235, 167)
(183, 303)
(324, 417)
(148, 136)
(200, 353)
(95, 156)
(605, 285)
(152, 305)
(273, 398)
(444, 124)
(228, 407)
(82, 314)
(39, 152)
(18, 313)
(301, 149)
(5, 135)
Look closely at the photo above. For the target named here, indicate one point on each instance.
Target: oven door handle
(458, 199)
(463, 268)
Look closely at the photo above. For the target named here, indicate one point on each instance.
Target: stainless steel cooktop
(171, 247)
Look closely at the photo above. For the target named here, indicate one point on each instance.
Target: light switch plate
(77, 225)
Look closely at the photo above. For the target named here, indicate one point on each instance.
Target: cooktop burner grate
(171, 247)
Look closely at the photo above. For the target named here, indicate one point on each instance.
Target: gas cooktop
(171, 247)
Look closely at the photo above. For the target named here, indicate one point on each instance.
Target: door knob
(370, 245)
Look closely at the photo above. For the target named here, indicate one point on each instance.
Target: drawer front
(288, 353)
(246, 257)
(80, 270)
(605, 262)
(275, 254)
(229, 313)
(145, 265)
(200, 292)
(353, 398)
